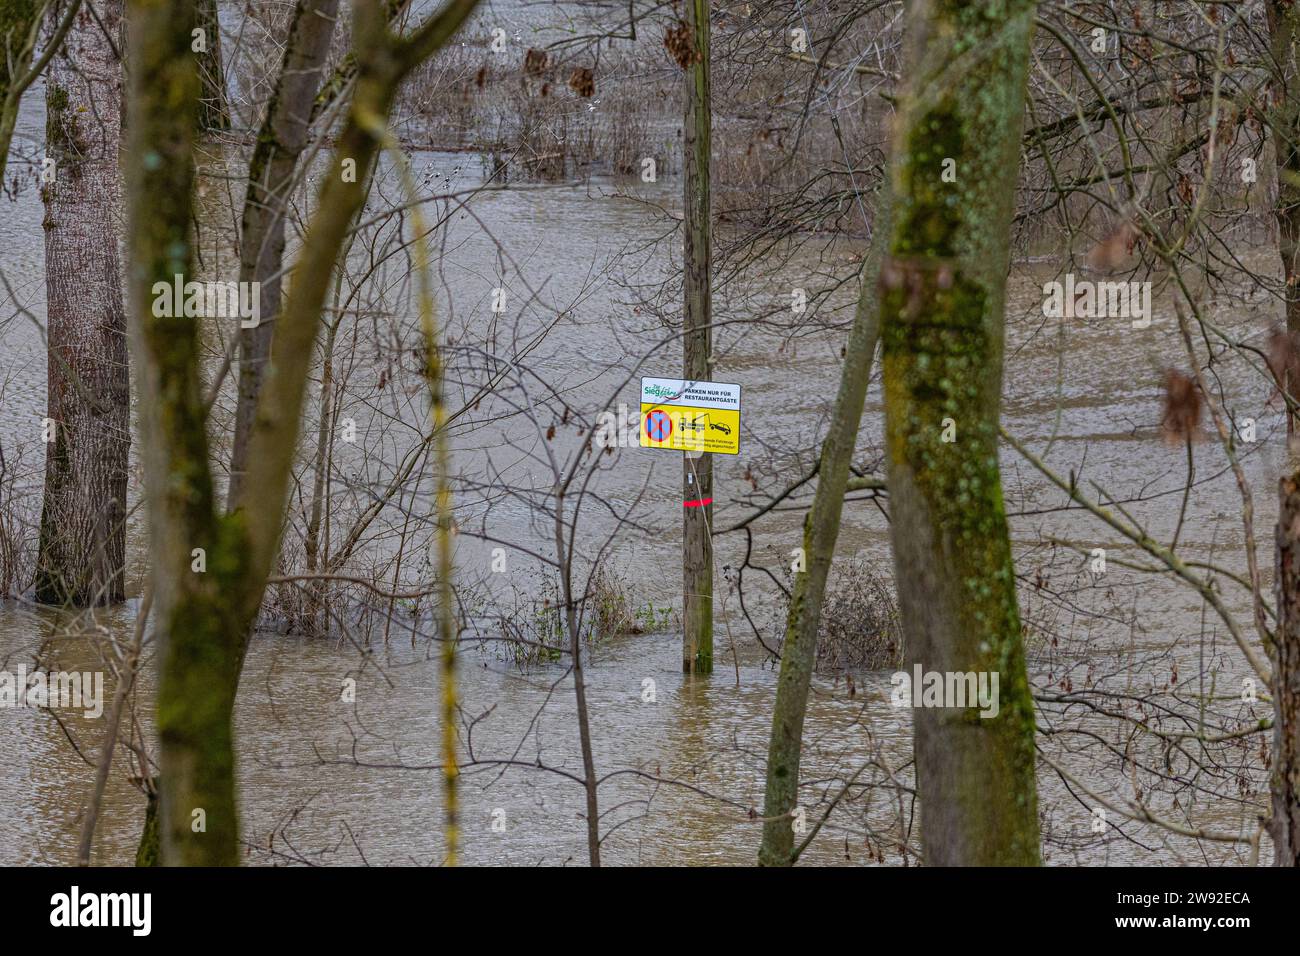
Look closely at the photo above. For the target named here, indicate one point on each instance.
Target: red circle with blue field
(658, 426)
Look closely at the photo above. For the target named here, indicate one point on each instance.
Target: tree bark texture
(942, 295)
(82, 547)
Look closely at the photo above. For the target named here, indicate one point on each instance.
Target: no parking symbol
(658, 425)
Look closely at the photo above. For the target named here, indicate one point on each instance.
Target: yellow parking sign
(683, 415)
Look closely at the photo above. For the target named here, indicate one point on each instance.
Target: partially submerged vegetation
(535, 631)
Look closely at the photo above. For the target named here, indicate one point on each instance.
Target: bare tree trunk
(82, 549)
(1285, 658)
(280, 142)
(697, 348)
(324, 435)
(821, 528)
(943, 290)
(564, 552)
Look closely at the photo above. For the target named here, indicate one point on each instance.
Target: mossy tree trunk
(214, 106)
(1284, 122)
(697, 349)
(203, 612)
(942, 295)
(196, 612)
(1284, 655)
(1284, 650)
(20, 25)
(146, 854)
(82, 551)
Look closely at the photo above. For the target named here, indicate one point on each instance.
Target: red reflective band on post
(697, 503)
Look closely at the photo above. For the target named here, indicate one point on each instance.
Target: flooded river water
(324, 781)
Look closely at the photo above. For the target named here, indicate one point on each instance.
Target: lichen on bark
(942, 291)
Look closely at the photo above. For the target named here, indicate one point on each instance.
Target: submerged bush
(859, 628)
